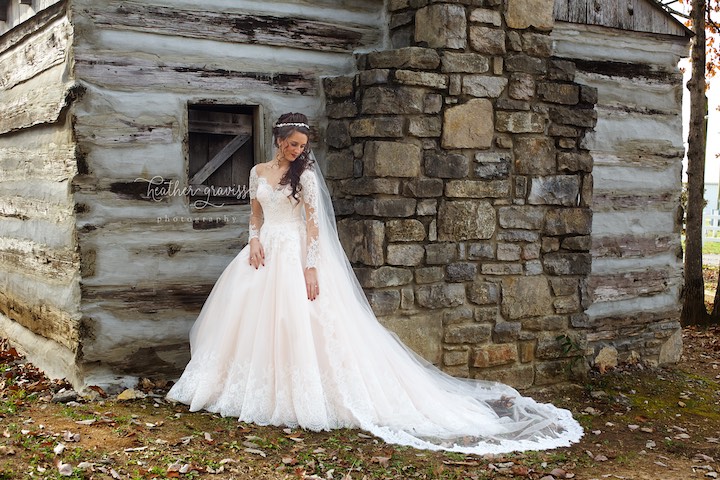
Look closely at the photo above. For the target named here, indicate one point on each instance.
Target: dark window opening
(222, 146)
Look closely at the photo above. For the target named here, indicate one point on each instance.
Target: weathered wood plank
(602, 12)
(218, 159)
(29, 258)
(235, 27)
(220, 128)
(118, 130)
(630, 70)
(42, 319)
(625, 14)
(577, 11)
(614, 91)
(618, 131)
(130, 74)
(580, 42)
(35, 106)
(123, 301)
(610, 322)
(626, 285)
(633, 246)
(26, 208)
(42, 17)
(52, 162)
(651, 201)
(633, 221)
(560, 10)
(637, 15)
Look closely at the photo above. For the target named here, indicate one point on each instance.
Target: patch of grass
(712, 248)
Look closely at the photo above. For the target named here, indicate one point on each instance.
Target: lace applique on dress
(310, 198)
(255, 216)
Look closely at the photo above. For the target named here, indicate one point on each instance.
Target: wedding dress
(262, 352)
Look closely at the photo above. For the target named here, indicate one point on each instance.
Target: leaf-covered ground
(640, 424)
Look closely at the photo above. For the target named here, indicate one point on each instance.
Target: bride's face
(293, 146)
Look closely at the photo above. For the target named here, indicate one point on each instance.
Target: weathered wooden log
(39, 53)
(119, 130)
(36, 106)
(146, 74)
(129, 301)
(633, 246)
(42, 319)
(42, 18)
(236, 27)
(28, 258)
(611, 322)
(604, 201)
(625, 285)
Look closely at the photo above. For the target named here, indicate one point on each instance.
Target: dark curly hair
(303, 161)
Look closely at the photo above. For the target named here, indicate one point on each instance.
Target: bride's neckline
(276, 186)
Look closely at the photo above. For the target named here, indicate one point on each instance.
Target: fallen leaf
(520, 470)
(5, 450)
(467, 463)
(65, 469)
(71, 437)
(382, 461)
(98, 390)
(255, 451)
(130, 394)
(135, 449)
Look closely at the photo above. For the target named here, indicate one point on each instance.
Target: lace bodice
(277, 208)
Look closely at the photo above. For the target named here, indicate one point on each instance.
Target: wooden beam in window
(220, 128)
(219, 159)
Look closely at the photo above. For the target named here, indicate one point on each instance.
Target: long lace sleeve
(310, 199)
(256, 218)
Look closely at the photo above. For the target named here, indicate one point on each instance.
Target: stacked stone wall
(462, 190)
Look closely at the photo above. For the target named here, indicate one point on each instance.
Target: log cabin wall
(139, 73)
(39, 265)
(633, 292)
(149, 261)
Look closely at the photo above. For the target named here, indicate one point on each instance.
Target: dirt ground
(640, 423)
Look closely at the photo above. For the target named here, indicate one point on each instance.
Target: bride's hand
(311, 283)
(257, 253)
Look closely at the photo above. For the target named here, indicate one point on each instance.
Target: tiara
(300, 124)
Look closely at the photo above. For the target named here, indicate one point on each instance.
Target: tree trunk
(694, 312)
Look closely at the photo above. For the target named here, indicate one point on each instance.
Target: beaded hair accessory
(278, 125)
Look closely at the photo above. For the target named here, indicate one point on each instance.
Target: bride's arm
(257, 253)
(310, 199)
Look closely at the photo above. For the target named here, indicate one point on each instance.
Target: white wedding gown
(262, 352)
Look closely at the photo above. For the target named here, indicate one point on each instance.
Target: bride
(287, 337)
